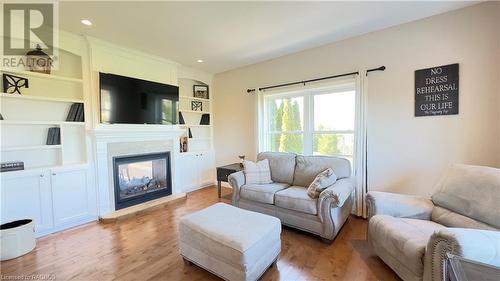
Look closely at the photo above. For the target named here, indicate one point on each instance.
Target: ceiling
(228, 35)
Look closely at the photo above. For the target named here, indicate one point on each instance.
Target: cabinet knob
(53, 174)
(41, 175)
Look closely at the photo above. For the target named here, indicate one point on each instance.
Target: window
(314, 121)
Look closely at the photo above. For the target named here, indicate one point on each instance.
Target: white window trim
(340, 85)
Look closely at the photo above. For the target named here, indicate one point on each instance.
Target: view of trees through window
(331, 130)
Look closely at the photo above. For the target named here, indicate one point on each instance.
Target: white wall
(405, 154)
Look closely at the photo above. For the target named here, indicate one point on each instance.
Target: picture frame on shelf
(183, 144)
(13, 84)
(200, 91)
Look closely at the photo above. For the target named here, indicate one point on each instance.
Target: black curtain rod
(381, 68)
(303, 82)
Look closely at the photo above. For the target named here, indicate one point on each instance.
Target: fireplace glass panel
(139, 178)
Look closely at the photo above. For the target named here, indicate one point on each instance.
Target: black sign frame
(437, 91)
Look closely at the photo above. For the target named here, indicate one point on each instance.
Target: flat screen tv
(126, 100)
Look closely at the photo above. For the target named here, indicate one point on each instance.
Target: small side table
(224, 171)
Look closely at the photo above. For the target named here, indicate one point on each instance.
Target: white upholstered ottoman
(232, 243)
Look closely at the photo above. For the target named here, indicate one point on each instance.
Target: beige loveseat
(286, 198)
(412, 234)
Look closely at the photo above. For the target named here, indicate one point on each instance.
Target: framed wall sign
(436, 90)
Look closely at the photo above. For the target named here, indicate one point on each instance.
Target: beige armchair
(412, 234)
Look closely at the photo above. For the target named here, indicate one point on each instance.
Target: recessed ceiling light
(200, 61)
(86, 22)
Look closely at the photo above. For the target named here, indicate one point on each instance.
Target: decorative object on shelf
(54, 136)
(196, 105)
(39, 61)
(11, 166)
(1, 116)
(13, 84)
(205, 119)
(189, 133)
(242, 158)
(184, 144)
(76, 113)
(200, 91)
(181, 119)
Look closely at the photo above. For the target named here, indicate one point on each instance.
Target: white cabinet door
(70, 195)
(206, 168)
(188, 172)
(27, 196)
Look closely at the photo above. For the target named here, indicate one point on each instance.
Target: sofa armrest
(334, 196)
(398, 205)
(474, 244)
(236, 180)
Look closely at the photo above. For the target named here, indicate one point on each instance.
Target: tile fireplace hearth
(141, 178)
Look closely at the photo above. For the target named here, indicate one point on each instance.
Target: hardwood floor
(146, 248)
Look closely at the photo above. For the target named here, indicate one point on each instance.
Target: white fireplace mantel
(156, 138)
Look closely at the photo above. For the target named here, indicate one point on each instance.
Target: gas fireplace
(140, 178)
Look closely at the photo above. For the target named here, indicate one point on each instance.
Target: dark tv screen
(126, 100)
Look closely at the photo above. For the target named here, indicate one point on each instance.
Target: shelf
(184, 125)
(19, 122)
(39, 98)
(41, 75)
(39, 168)
(32, 147)
(193, 98)
(192, 111)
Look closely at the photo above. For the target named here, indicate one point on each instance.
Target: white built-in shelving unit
(202, 135)
(44, 104)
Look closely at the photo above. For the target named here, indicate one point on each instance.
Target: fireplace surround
(141, 178)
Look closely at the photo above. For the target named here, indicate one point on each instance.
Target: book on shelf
(205, 119)
(72, 112)
(76, 113)
(53, 136)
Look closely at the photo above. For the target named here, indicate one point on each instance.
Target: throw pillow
(321, 182)
(257, 173)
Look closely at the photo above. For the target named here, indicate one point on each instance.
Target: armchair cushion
(472, 191)
(263, 193)
(402, 239)
(282, 165)
(398, 205)
(296, 198)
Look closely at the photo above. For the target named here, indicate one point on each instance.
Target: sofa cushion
(282, 165)
(296, 198)
(472, 191)
(403, 239)
(257, 173)
(451, 219)
(307, 167)
(263, 193)
(321, 182)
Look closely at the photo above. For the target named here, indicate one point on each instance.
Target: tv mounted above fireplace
(126, 100)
